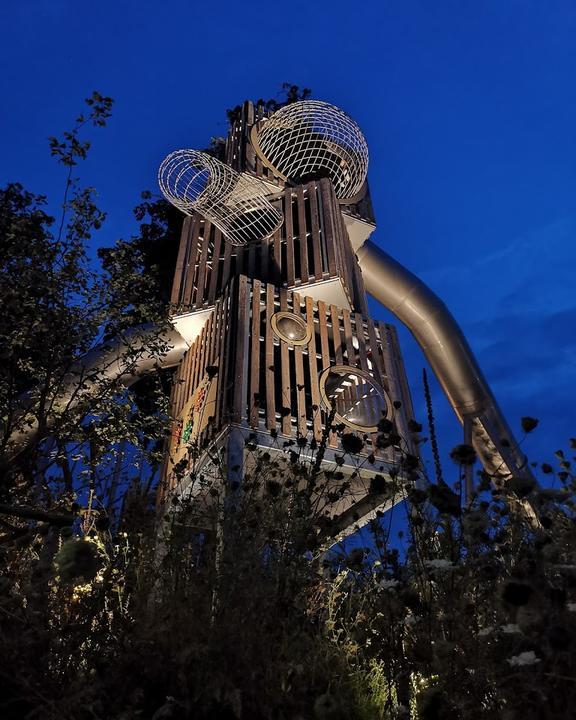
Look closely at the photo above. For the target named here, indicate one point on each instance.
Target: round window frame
(363, 374)
(280, 315)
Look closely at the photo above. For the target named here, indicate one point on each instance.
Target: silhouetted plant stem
(323, 442)
(432, 429)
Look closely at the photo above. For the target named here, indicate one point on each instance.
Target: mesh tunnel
(235, 203)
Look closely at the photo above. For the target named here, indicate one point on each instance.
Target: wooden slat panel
(202, 259)
(351, 271)
(348, 336)
(324, 345)
(304, 268)
(180, 388)
(254, 391)
(276, 279)
(176, 388)
(285, 375)
(349, 394)
(299, 372)
(183, 388)
(239, 393)
(375, 350)
(228, 340)
(208, 342)
(194, 370)
(222, 310)
(335, 315)
(202, 354)
(179, 272)
(325, 352)
(407, 411)
(315, 231)
(329, 224)
(343, 258)
(227, 259)
(378, 366)
(210, 355)
(198, 369)
(190, 269)
(186, 375)
(222, 343)
(332, 437)
(314, 384)
(393, 386)
(213, 356)
(358, 320)
(218, 240)
(359, 323)
(213, 359)
(361, 300)
(265, 246)
(289, 269)
(343, 261)
(270, 374)
(189, 384)
(249, 150)
(241, 254)
(251, 251)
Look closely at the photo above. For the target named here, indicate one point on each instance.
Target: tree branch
(24, 511)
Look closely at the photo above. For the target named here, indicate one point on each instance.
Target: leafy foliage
(289, 93)
(252, 605)
(68, 431)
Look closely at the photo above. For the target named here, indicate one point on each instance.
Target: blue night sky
(468, 106)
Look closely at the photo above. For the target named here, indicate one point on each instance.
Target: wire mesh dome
(308, 140)
(235, 203)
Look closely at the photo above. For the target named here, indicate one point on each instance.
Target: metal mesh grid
(308, 140)
(359, 401)
(235, 203)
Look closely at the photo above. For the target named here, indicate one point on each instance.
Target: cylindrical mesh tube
(308, 140)
(235, 203)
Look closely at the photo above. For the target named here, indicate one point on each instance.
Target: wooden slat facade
(311, 246)
(265, 383)
(239, 152)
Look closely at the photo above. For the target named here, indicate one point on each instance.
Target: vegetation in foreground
(246, 605)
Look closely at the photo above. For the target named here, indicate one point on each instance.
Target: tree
(64, 422)
(156, 245)
(79, 451)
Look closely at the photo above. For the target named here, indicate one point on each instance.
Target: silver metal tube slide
(123, 359)
(449, 355)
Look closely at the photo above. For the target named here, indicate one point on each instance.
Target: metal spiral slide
(449, 355)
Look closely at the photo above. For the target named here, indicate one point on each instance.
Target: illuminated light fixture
(291, 328)
(309, 140)
(235, 203)
(356, 397)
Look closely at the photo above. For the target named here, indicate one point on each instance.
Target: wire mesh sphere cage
(309, 140)
(235, 203)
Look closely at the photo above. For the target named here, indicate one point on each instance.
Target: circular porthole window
(358, 399)
(291, 328)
